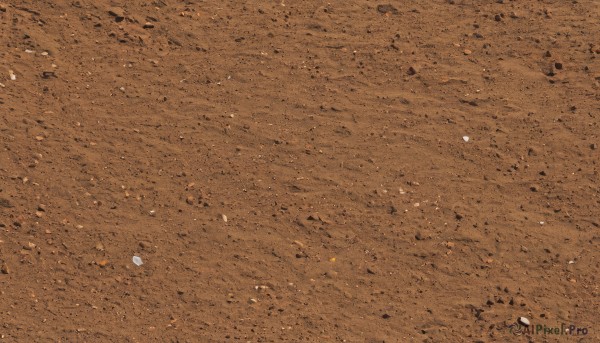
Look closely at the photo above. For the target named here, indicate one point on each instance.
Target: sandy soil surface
(299, 171)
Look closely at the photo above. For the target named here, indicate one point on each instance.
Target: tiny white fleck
(137, 260)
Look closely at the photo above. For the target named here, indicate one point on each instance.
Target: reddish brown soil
(355, 211)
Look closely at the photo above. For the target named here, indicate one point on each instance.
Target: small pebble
(4, 269)
(137, 261)
(523, 321)
(466, 138)
(118, 13)
(387, 8)
(189, 200)
(224, 217)
(99, 246)
(332, 274)
(534, 188)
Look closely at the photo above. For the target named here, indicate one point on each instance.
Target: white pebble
(523, 321)
(12, 75)
(466, 138)
(224, 218)
(137, 260)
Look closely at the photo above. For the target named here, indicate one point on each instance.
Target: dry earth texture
(299, 171)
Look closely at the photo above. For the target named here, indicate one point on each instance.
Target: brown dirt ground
(355, 211)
